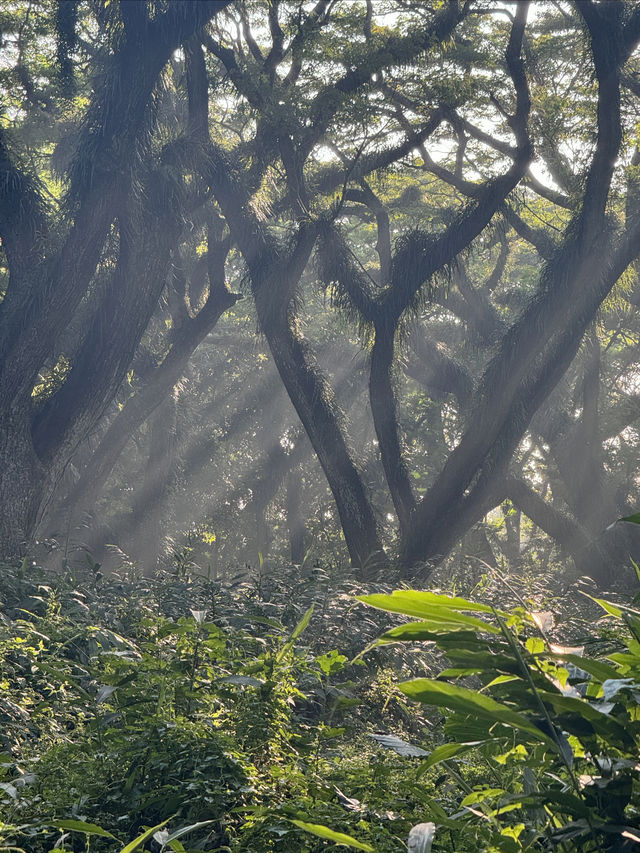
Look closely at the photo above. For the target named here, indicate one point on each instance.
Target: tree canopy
(430, 211)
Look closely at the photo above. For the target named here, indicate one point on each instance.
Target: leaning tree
(90, 220)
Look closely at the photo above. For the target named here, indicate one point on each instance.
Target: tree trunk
(385, 418)
(295, 517)
(146, 535)
(317, 409)
(22, 482)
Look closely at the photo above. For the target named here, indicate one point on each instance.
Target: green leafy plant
(542, 740)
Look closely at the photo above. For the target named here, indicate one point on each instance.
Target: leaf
(183, 831)
(331, 662)
(598, 669)
(399, 746)
(349, 803)
(413, 632)
(446, 751)
(417, 599)
(302, 624)
(611, 609)
(421, 837)
(148, 833)
(9, 789)
(104, 692)
(634, 519)
(580, 710)
(616, 610)
(331, 835)
(612, 686)
(544, 619)
(81, 826)
(199, 615)
(456, 698)
(437, 614)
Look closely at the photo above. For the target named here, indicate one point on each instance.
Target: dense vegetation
(185, 715)
(302, 303)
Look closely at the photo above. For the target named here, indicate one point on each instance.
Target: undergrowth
(265, 714)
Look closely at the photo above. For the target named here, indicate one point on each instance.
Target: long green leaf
(184, 830)
(418, 598)
(444, 695)
(81, 826)
(580, 709)
(634, 519)
(148, 833)
(446, 751)
(302, 624)
(598, 669)
(616, 610)
(331, 835)
(435, 613)
(413, 632)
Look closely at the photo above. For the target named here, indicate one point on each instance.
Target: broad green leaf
(580, 709)
(417, 598)
(444, 695)
(145, 836)
(331, 835)
(413, 632)
(476, 797)
(331, 662)
(446, 751)
(436, 614)
(634, 519)
(82, 826)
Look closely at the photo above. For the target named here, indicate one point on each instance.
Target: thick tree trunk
(317, 409)
(22, 480)
(48, 279)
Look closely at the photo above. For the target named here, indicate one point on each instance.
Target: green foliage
(138, 714)
(178, 714)
(550, 737)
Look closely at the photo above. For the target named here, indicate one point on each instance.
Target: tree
(97, 254)
(583, 267)
(395, 160)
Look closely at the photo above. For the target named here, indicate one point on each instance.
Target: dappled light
(319, 425)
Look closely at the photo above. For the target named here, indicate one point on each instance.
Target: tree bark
(295, 517)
